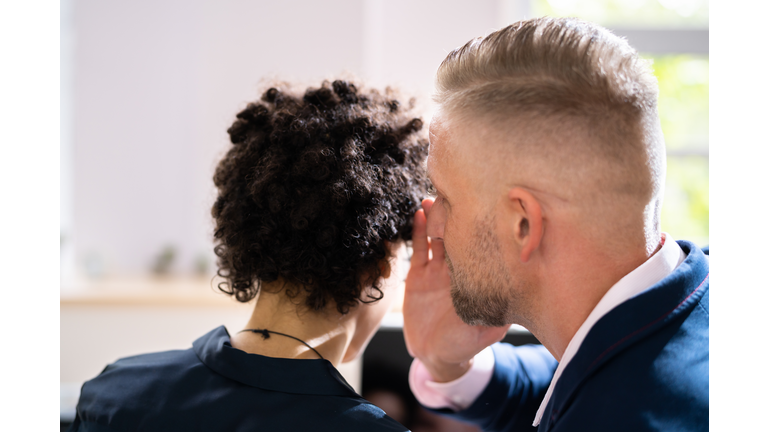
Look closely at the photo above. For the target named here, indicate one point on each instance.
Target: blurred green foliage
(683, 100)
(684, 113)
(685, 214)
(629, 13)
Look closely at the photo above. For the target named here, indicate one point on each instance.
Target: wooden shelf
(149, 290)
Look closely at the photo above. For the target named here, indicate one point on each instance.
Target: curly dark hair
(311, 189)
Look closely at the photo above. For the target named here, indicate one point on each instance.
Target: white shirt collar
(656, 268)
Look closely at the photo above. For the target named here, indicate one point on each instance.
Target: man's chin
(474, 320)
(477, 312)
(483, 321)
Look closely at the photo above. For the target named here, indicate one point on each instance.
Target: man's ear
(529, 224)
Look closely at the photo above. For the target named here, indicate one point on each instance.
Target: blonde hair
(549, 64)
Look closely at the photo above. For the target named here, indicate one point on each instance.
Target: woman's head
(314, 189)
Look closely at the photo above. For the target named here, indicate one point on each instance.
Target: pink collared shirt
(462, 392)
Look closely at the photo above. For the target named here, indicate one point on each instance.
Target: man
(548, 160)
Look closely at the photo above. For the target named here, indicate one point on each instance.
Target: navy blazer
(644, 366)
(215, 387)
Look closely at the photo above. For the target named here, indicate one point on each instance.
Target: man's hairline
(468, 122)
(552, 186)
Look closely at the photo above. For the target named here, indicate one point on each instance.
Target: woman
(315, 202)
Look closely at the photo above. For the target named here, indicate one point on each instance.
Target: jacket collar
(632, 321)
(310, 376)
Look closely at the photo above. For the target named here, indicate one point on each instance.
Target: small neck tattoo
(266, 333)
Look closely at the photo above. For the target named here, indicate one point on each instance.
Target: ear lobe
(530, 226)
(385, 267)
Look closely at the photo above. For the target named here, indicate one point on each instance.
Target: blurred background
(148, 90)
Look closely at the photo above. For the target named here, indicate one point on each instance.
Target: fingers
(426, 204)
(420, 242)
(438, 250)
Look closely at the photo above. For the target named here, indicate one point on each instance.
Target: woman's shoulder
(143, 376)
(175, 390)
(135, 386)
(145, 393)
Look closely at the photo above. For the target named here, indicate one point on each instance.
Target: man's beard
(480, 287)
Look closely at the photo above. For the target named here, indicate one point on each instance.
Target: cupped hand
(433, 332)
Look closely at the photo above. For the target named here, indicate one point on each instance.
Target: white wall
(157, 83)
(93, 336)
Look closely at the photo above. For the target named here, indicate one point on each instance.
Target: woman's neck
(326, 331)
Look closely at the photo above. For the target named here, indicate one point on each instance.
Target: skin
(557, 265)
(338, 338)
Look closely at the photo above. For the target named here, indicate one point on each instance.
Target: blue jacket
(644, 366)
(215, 387)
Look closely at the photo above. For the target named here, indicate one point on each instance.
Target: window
(684, 111)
